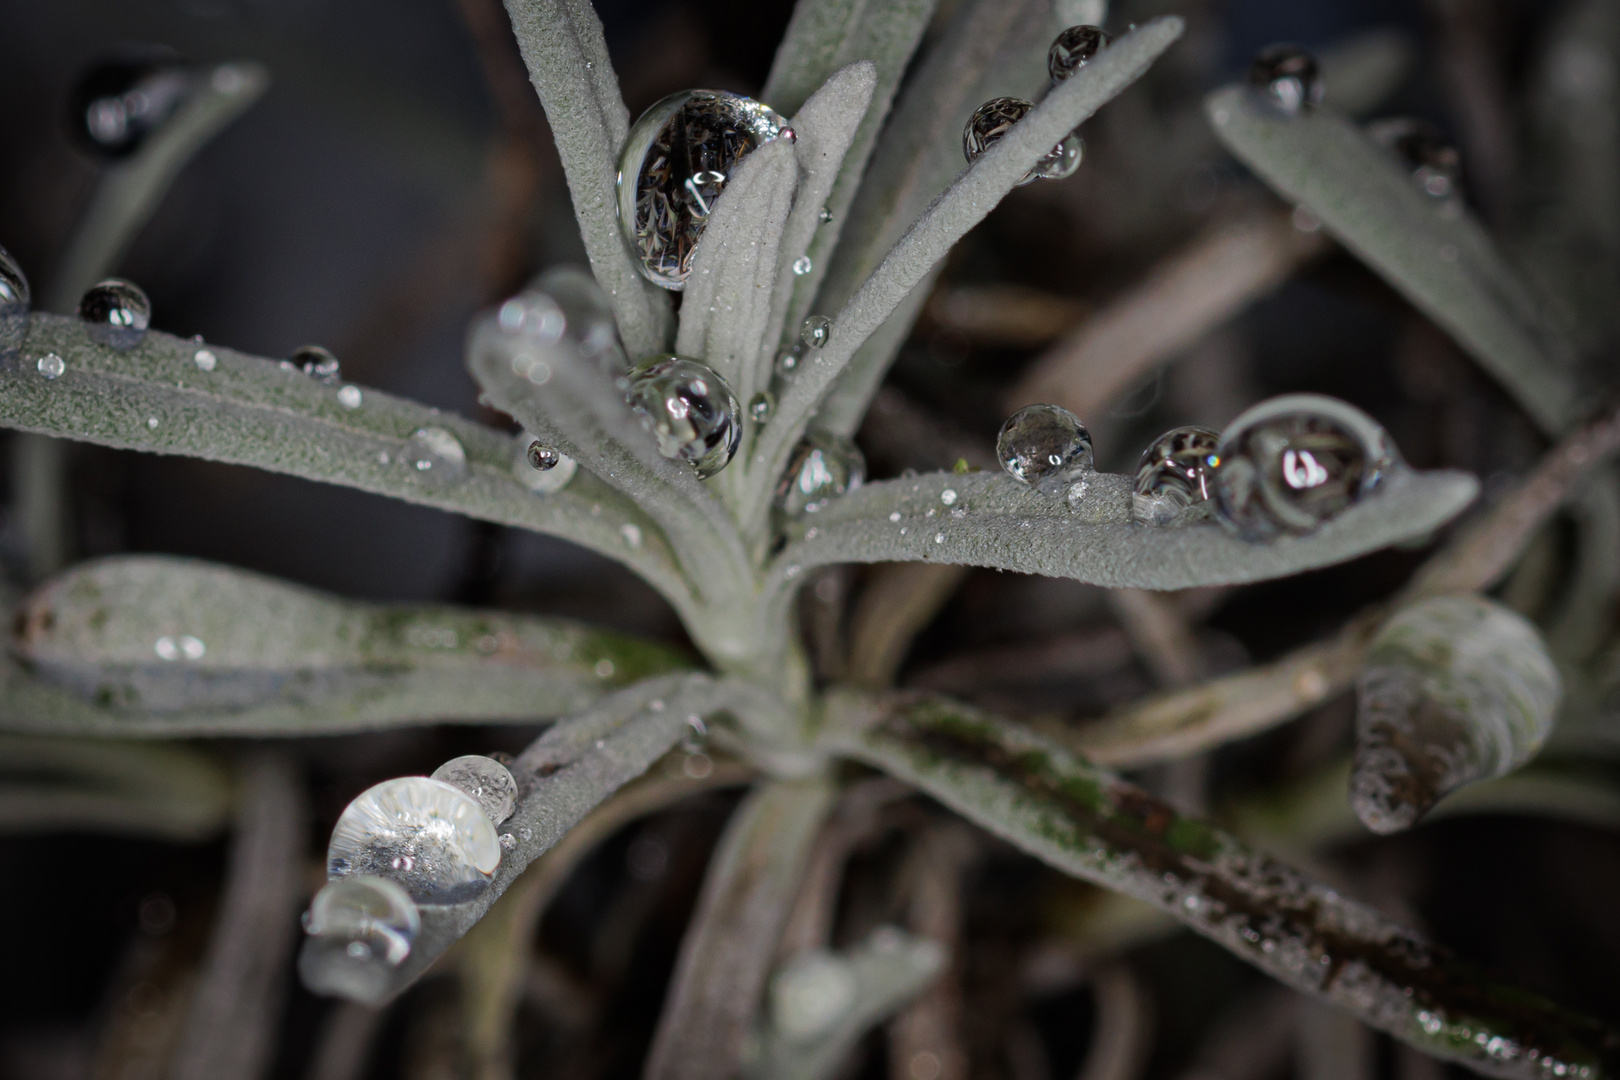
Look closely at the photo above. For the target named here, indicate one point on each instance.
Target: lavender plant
(706, 447)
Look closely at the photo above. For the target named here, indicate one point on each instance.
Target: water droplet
(1292, 463)
(810, 994)
(119, 102)
(689, 409)
(1435, 163)
(349, 397)
(815, 331)
(894, 516)
(436, 455)
(789, 361)
(1290, 77)
(317, 363)
(825, 215)
(676, 161)
(1072, 48)
(1044, 446)
(542, 458)
(362, 927)
(1173, 481)
(631, 534)
(565, 304)
(490, 783)
(152, 422)
(531, 467)
(205, 360)
(51, 366)
(939, 538)
(428, 836)
(802, 265)
(115, 313)
(761, 406)
(992, 120)
(604, 669)
(16, 299)
(823, 467)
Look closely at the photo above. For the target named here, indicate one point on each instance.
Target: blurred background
(399, 176)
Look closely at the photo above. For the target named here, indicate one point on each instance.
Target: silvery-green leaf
(1362, 71)
(1088, 823)
(150, 645)
(963, 205)
(1455, 689)
(244, 410)
(562, 44)
(1431, 250)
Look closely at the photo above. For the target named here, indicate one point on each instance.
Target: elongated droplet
(429, 837)
(115, 313)
(119, 102)
(541, 468)
(810, 993)
(689, 409)
(436, 456)
(1289, 76)
(676, 162)
(1455, 689)
(1174, 480)
(318, 364)
(1072, 48)
(490, 783)
(1435, 163)
(991, 121)
(815, 332)
(16, 300)
(361, 928)
(823, 467)
(1293, 463)
(1045, 447)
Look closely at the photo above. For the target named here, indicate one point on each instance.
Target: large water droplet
(1174, 481)
(823, 467)
(1072, 48)
(991, 121)
(116, 313)
(119, 102)
(1290, 464)
(361, 928)
(428, 836)
(1290, 77)
(676, 161)
(815, 331)
(16, 299)
(1044, 446)
(317, 363)
(490, 783)
(436, 456)
(689, 409)
(1435, 163)
(543, 458)
(543, 470)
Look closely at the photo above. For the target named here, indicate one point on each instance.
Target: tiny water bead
(689, 409)
(118, 103)
(115, 313)
(542, 458)
(436, 455)
(1289, 75)
(815, 331)
(761, 405)
(52, 366)
(1435, 163)
(361, 928)
(205, 359)
(542, 478)
(677, 160)
(802, 265)
(823, 467)
(490, 783)
(991, 121)
(16, 299)
(349, 397)
(318, 364)
(431, 838)
(1044, 446)
(1174, 479)
(1293, 463)
(1072, 48)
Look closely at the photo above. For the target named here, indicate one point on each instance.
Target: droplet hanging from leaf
(992, 120)
(1072, 48)
(1289, 76)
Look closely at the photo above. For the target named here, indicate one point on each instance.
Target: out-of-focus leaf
(87, 785)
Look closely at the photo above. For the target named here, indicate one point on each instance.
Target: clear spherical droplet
(115, 313)
(542, 458)
(1044, 446)
(542, 481)
(436, 456)
(1174, 481)
(16, 300)
(1072, 48)
(802, 265)
(361, 928)
(1289, 75)
(117, 103)
(676, 162)
(349, 397)
(823, 467)
(1435, 163)
(205, 359)
(317, 363)
(1290, 464)
(815, 331)
(761, 406)
(689, 409)
(52, 366)
(490, 783)
(825, 215)
(992, 120)
(429, 837)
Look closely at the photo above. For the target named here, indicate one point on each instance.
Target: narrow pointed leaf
(1431, 250)
(148, 645)
(1086, 822)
